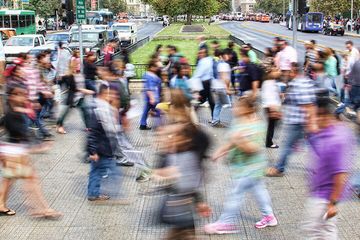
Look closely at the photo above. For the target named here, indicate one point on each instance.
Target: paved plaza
(64, 181)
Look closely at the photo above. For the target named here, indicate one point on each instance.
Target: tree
(334, 7)
(115, 6)
(270, 6)
(186, 7)
(44, 8)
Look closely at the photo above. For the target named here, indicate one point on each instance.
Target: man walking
(204, 72)
(298, 105)
(103, 142)
(152, 90)
(332, 144)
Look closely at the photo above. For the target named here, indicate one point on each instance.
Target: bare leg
(4, 192)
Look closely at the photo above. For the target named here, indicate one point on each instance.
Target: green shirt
(330, 66)
(253, 57)
(243, 164)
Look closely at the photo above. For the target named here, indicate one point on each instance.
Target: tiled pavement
(64, 180)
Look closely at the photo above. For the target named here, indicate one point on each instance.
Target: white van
(127, 32)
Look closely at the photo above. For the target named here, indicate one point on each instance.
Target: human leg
(294, 132)
(143, 121)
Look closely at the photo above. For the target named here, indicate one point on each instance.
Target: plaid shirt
(33, 83)
(300, 92)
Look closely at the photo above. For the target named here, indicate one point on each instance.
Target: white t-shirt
(2, 53)
(270, 94)
(287, 56)
(222, 67)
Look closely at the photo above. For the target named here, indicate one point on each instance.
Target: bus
(21, 20)
(311, 22)
(308, 22)
(100, 17)
(265, 18)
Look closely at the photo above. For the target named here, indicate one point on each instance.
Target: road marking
(284, 36)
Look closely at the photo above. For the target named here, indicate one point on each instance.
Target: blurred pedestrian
(332, 145)
(285, 58)
(15, 156)
(76, 61)
(152, 92)
(298, 107)
(247, 163)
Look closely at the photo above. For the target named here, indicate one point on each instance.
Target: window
(6, 21)
(22, 21)
(14, 21)
(28, 21)
(32, 19)
(37, 43)
(1, 21)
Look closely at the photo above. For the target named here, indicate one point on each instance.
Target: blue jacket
(152, 83)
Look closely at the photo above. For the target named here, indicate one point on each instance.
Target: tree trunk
(188, 19)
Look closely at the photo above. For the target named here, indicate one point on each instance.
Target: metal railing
(130, 49)
(140, 70)
(240, 42)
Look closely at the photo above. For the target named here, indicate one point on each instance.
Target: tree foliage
(271, 6)
(188, 7)
(114, 6)
(334, 7)
(44, 8)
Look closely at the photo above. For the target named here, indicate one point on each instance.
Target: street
(149, 29)
(261, 35)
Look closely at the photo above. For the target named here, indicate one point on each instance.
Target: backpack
(215, 68)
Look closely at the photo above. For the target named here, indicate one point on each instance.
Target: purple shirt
(332, 152)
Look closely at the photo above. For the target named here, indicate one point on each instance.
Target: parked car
(64, 37)
(127, 32)
(93, 40)
(53, 47)
(21, 44)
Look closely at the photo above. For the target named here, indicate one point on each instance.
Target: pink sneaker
(220, 228)
(267, 221)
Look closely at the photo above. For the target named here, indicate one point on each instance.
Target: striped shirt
(300, 92)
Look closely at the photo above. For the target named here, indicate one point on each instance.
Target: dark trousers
(206, 95)
(270, 128)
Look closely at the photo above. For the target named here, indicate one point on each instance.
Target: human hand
(94, 157)
(203, 210)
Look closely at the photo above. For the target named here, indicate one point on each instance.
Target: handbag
(178, 209)
(16, 162)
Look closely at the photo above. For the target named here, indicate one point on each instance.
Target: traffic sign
(80, 10)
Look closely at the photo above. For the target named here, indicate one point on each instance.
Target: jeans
(206, 95)
(83, 109)
(104, 166)
(314, 226)
(220, 98)
(242, 185)
(330, 83)
(39, 122)
(147, 108)
(294, 132)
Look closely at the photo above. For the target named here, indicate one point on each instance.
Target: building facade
(244, 6)
(137, 8)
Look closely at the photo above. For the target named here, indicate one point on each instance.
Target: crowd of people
(278, 85)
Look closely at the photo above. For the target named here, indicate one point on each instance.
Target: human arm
(339, 181)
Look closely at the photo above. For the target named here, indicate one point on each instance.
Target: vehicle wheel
(342, 34)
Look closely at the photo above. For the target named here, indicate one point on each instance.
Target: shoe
(125, 164)
(143, 127)
(220, 228)
(48, 137)
(99, 198)
(273, 172)
(143, 178)
(267, 221)
(273, 146)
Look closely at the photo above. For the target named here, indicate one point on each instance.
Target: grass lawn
(212, 30)
(187, 48)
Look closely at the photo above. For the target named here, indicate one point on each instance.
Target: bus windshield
(314, 18)
(23, 41)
